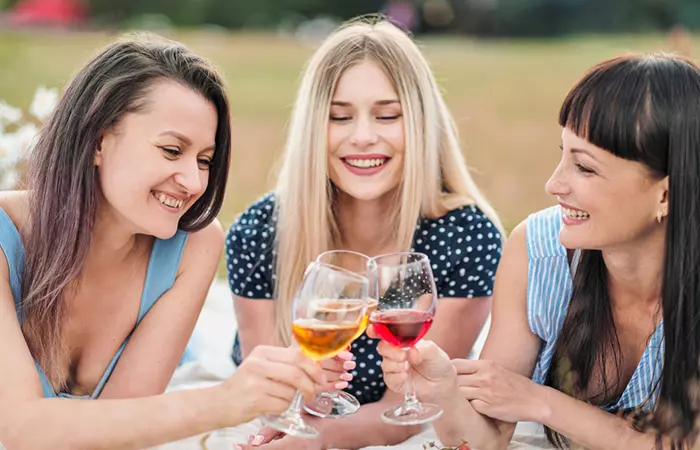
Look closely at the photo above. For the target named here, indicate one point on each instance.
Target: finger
(278, 390)
(288, 374)
(295, 357)
(471, 380)
(467, 366)
(388, 351)
(471, 393)
(391, 367)
(371, 333)
(265, 435)
(481, 407)
(396, 382)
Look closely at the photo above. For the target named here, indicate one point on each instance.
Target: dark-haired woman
(596, 316)
(107, 258)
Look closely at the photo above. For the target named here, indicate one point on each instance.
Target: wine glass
(407, 299)
(339, 403)
(329, 309)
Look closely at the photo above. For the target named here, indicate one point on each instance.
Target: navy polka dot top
(464, 248)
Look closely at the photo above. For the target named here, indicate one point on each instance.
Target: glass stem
(294, 410)
(410, 400)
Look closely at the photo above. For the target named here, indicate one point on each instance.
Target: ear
(663, 197)
(98, 151)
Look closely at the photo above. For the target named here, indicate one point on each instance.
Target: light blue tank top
(160, 277)
(549, 289)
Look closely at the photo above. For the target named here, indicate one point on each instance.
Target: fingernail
(349, 365)
(346, 376)
(345, 355)
(250, 438)
(341, 385)
(258, 440)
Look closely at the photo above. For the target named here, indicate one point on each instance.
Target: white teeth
(575, 214)
(366, 163)
(168, 200)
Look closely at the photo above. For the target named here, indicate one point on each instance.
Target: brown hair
(61, 167)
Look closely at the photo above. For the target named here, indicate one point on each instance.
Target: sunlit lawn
(504, 95)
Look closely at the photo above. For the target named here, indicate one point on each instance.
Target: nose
(190, 177)
(363, 135)
(557, 185)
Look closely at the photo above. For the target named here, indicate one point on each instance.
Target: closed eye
(584, 169)
(171, 152)
(204, 163)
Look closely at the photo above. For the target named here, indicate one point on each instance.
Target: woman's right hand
(431, 371)
(267, 380)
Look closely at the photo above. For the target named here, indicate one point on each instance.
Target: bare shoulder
(517, 240)
(16, 206)
(204, 247)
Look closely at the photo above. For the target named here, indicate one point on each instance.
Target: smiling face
(607, 201)
(365, 133)
(154, 165)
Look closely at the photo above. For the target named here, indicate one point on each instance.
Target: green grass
(504, 95)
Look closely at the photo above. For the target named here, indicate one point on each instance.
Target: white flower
(9, 180)
(44, 102)
(9, 114)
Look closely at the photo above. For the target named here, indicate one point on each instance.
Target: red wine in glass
(406, 294)
(402, 327)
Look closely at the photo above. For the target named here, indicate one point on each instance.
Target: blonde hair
(434, 163)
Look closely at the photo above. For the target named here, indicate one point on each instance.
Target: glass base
(414, 414)
(293, 426)
(332, 405)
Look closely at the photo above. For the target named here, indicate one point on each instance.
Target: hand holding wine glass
(337, 404)
(407, 299)
(328, 311)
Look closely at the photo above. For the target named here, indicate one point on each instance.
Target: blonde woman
(372, 164)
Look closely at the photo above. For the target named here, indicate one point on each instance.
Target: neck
(112, 242)
(635, 272)
(365, 226)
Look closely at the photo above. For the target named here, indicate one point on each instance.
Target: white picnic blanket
(212, 342)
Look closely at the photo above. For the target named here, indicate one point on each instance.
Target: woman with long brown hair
(108, 255)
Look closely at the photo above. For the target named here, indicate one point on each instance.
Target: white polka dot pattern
(464, 248)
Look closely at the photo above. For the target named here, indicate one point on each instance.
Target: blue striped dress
(549, 290)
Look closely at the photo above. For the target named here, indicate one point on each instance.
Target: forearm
(588, 425)
(115, 424)
(364, 428)
(461, 423)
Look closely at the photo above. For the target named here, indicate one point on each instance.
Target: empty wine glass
(329, 309)
(407, 299)
(339, 403)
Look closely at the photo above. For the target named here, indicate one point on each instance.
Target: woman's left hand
(497, 392)
(284, 443)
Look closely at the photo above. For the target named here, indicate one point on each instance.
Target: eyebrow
(177, 135)
(584, 151)
(184, 139)
(378, 102)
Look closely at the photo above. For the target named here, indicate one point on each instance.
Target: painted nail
(345, 355)
(346, 376)
(341, 385)
(258, 440)
(349, 365)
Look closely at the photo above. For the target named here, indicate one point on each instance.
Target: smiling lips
(573, 216)
(365, 165)
(168, 200)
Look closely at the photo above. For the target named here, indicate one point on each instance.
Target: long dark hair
(63, 184)
(646, 109)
